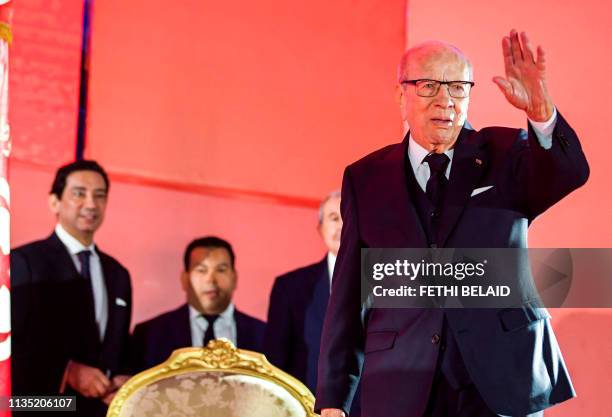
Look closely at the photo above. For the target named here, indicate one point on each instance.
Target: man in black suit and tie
(298, 303)
(209, 280)
(447, 185)
(71, 302)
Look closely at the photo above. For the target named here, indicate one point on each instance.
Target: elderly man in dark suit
(71, 302)
(209, 280)
(450, 186)
(298, 303)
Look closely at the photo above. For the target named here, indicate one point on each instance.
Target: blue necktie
(84, 260)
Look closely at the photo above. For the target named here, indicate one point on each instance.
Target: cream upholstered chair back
(216, 381)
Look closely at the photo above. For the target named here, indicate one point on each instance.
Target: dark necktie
(210, 330)
(86, 274)
(436, 185)
(84, 260)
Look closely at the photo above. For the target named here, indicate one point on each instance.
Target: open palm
(525, 83)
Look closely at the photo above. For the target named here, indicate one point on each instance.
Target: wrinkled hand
(87, 380)
(116, 383)
(525, 82)
(332, 412)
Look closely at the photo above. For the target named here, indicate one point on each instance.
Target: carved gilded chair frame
(219, 356)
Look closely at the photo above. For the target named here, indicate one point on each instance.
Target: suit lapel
(84, 318)
(61, 260)
(469, 164)
(182, 330)
(67, 271)
(110, 296)
(243, 332)
(400, 208)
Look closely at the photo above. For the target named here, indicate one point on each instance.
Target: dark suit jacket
(53, 320)
(511, 355)
(295, 319)
(154, 340)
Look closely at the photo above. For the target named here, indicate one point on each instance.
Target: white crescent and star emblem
(5, 323)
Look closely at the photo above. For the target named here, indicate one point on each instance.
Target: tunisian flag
(5, 148)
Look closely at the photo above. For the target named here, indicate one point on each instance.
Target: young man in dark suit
(209, 280)
(71, 302)
(448, 186)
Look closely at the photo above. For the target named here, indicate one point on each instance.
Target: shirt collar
(228, 313)
(416, 153)
(73, 245)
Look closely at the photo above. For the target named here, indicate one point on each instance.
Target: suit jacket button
(435, 214)
(435, 339)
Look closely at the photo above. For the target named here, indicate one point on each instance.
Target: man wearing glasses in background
(449, 186)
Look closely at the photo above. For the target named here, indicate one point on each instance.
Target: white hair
(333, 194)
(425, 47)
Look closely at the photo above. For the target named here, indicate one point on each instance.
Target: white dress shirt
(331, 263)
(98, 285)
(416, 153)
(224, 326)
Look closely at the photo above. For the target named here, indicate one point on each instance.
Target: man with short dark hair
(449, 186)
(71, 302)
(209, 280)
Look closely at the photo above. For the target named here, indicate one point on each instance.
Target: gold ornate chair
(216, 381)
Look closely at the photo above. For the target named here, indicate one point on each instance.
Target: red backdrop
(5, 202)
(235, 117)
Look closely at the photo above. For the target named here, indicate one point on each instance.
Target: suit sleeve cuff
(544, 130)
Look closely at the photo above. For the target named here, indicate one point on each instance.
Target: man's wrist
(332, 412)
(541, 113)
(545, 127)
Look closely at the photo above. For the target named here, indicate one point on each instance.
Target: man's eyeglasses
(429, 88)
